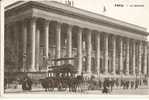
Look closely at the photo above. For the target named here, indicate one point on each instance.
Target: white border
(1, 47)
(45, 96)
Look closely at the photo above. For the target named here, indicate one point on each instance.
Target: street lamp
(140, 78)
(24, 61)
(121, 76)
(44, 61)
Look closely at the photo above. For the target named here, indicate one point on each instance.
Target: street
(139, 91)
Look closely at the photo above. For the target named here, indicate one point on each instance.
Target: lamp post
(121, 76)
(24, 61)
(140, 79)
(44, 61)
(137, 72)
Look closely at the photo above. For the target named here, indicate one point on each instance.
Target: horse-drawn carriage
(62, 77)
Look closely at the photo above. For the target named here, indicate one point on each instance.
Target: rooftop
(83, 13)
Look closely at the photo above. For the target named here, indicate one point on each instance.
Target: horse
(45, 84)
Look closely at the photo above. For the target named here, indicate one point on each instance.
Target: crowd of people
(77, 83)
(71, 83)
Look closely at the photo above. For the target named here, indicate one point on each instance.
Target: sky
(134, 15)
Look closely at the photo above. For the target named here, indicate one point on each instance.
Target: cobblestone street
(140, 91)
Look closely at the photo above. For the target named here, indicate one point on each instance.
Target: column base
(37, 68)
(32, 70)
(105, 73)
(88, 74)
(113, 73)
(22, 70)
(127, 74)
(78, 73)
(134, 74)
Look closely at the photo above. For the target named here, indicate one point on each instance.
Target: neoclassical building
(102, 46)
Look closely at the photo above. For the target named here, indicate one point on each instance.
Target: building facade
(102, 46)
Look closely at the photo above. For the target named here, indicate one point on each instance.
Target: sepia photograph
(87, 47)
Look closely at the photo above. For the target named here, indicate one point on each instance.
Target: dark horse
(47, 83)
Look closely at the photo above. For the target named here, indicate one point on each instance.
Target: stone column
(79, 44)
(140, 60)
(16, 42)
(145, 59)
(134, 57)
(69, 43)
(106, 54)
(148, 64)
(114, 54)
(148, 59)
(97, 37)
(58, 41)
(127, 57)
(46, 38)
(37, 49)
(89, 51)
(24, 36)
(121, 56)
(33, 34)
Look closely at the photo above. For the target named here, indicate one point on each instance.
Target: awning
(66, 58)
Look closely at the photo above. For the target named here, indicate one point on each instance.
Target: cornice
(80, 14)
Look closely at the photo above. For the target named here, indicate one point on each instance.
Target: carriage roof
(65, 68)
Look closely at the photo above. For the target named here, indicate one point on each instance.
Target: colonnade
(34, 33)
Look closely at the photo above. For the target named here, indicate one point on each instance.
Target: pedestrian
(111, 84)
(29, 82)
(132, 84)
(26, 83)
(5, 83)
(136, 84)
(105, 86)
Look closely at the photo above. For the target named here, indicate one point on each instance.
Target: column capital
(70, 26)
(88, 30)
(80, 29)
(106, 34)
(46, 22)
(114, 36)
(134, 41)
(145, 43)
(58, 23)
(97, 34)
(140, 42)
(121, 38)
(33, 19)
(24, 21)
(127, 40)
